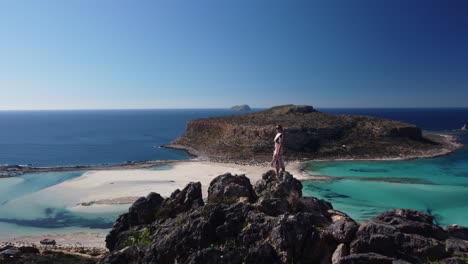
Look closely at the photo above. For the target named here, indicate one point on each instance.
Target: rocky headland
(271, 222)
(309, 134)
(241, 108)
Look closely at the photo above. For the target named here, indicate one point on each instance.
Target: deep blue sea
(91, 137)
(362, 189)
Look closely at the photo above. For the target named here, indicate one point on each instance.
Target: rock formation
(308, 134)
(271, 222)
(241, 108)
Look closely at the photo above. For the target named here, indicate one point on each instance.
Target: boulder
(296, 239)
(262, 254)
(181, 201)
(283, 186)
(228, 188)
(143, 210)
(457, 231)
(340, 252)
(412, 222)
(456, 246)
(274, 206)
(403, 234)
(343, 230)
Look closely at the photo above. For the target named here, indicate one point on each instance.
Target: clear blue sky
(181, 54)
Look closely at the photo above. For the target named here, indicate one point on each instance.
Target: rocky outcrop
(271, 222)
(230, 189)
(241, 108)
(308, 134)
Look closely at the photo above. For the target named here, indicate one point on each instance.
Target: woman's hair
(279, 127)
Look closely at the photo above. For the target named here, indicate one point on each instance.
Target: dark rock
(319, 208)
(457, 231)
(366, 258)
(258, 227)
(342, 231)
(263, 254)
(229, 188)
(128, 255)
(214, 256)
(143, 210)
(28, 250)
(412, 222)
(285, 186)
(182, 201)
(274, 206)
(340, 252)
(404, 234)
(456, 246)
(120, 226)
(453, 260)
(296, 239)
(381, 244)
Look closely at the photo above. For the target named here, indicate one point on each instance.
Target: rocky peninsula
(271, 222)
(309, 134)
(241, 108)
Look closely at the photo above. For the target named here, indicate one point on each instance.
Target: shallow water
(361, 189)
(26, 209)
(364, 189)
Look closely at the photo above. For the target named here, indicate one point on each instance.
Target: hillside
(309, 134)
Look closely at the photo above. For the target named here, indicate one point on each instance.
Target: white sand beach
(124, 186)
(101, 190)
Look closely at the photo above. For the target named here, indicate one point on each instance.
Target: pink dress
(278, 161)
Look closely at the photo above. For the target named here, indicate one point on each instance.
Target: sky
(115, 54)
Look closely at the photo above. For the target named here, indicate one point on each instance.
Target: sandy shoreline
(102, 187)
(64, 241)
(125, 186)
(99, 189)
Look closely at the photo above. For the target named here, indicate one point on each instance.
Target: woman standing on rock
(278, 161)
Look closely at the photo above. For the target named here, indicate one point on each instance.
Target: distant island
(241, 108)
(309, 134)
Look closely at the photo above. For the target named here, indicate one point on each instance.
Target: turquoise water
(364, 189)
(27, 209)
(361, 189)
(29, 205)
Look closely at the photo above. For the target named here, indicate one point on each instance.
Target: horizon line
(221, 108)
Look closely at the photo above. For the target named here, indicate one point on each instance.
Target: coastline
(68, 242)
(100, 189)
(106, 185)
(448, 142)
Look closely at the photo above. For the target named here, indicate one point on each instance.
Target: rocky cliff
(271, 222)
(308, 134)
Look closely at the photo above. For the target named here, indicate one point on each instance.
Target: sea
(362, 189)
